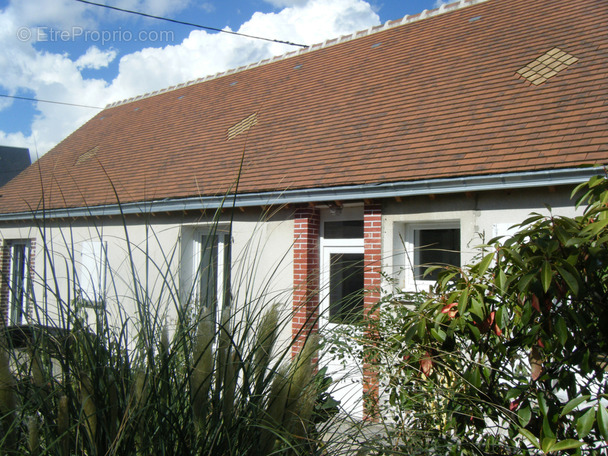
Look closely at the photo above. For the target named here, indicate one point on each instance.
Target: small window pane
(346, 288)
(92, 277)
(345, 229)
(17, 282)
(436, 247)
(214, 272)
(208, 271)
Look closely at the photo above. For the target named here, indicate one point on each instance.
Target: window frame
(223, 251)
(15, 315)
(328, 247)
(411, 283)
(94, 281)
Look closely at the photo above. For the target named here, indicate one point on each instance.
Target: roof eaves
(504, 181)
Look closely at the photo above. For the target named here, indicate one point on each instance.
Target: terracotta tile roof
(439, 97)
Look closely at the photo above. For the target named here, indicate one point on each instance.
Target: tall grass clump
(156, 370)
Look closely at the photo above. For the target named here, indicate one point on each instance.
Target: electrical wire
(49, 101)
(191, 24)
(153, 17)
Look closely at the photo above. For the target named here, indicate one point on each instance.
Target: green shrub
(506, 355)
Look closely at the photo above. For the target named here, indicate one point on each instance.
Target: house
(13, 160)
(329, 165)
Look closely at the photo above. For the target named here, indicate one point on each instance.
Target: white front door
(341, 310)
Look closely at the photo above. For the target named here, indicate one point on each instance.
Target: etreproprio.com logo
(48, 34)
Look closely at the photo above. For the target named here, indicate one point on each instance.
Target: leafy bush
(507, 355)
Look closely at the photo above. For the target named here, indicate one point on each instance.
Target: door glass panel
(346, 288)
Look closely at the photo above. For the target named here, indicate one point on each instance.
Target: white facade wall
(161, 248)
(479, 216)
(154, 266)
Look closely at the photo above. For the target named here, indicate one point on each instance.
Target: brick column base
(372, 226)
(305, 275)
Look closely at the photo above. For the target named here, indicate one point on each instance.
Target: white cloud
(207, 7)
(154, 7)
(56, 13)
(313, 22)
(438, 3)
(286, 3)
(95, 58)
(57, 76)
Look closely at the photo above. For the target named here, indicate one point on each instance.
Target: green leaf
(501, 317)
(542, 404)
(534, 217)
(547, 432)
(438, 334)
(421, 329)
(463, 300)
(505, 281)
(524, 414)
(409, 334)
(602, 421)
(569, 279)
(562, 331)
(522, 285)
(477, 308)
(474, 377)
(474, 331)
(531, 438)
(573, 404)
(585, 423)
(445, 278)
(567, 444)
(485, 263)
(546, 275)
(547, 444)
(596, 227)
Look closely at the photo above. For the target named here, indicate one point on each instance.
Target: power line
(191, 24)
(49, 101)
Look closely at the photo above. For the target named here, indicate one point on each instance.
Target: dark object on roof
(13, 160)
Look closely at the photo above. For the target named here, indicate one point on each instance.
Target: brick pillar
(372, 226)
(305, 275)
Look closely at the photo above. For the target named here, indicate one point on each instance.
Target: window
(93, 272)
(345, 229)
(345, 287)
(211, 283)
(19, 254)
(342, 271)
(435, 247)
(426, 245)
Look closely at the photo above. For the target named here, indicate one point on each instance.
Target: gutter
(503, 181)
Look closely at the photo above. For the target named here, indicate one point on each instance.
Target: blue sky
(66, 51)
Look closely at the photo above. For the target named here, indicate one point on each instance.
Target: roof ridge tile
(407, 19)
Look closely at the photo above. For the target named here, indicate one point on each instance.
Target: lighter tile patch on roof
(86, 156)
(243, 126)
(547, 66)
